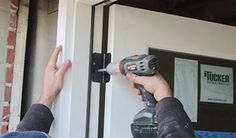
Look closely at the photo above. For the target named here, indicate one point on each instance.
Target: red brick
(13, 20)
(10, 56)
(11, 40)
(6, 113)
(7, 94)
(9, 75)
(4, 129)
(15, 2)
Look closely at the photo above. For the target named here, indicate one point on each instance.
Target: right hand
(156, 85)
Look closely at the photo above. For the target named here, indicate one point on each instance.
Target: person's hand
(156, 85)
(53, 79)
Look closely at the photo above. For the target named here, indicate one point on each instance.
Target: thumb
(134, 78)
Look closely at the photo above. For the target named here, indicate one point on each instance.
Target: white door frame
(74, 27)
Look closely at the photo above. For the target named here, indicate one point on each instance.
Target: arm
(171, 118)
(39, 116)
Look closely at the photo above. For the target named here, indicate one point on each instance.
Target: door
(135, 31)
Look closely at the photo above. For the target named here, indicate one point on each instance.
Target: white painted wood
(18, 71)
(133, 31)
(74, 19)
(95, 87)
(93, 2)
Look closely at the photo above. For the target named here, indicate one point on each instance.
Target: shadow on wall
(41, 41)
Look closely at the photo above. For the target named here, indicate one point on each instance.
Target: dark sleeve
(172, 120)
(38, 118)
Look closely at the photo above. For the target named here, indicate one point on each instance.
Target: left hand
(53, 79)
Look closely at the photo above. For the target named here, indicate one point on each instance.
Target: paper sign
(216, 84)
(186, 85)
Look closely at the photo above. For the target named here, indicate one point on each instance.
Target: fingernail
(58, 50)
(69, 62)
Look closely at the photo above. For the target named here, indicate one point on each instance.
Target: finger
(141, 98)
(135, 79)
(64, 67)
(132, 85)
(54, 57)
(138, 92)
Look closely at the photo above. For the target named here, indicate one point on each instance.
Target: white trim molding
(93, 2)
(73, 33)
(17, 86)
(74, 19)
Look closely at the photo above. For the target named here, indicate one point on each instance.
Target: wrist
(160, 97)
(45, 101)
(161, 94)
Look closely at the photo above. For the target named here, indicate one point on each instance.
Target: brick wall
(10, 55)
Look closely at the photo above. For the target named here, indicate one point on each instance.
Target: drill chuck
(113, 69)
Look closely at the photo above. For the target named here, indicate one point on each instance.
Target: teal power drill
(144, 124)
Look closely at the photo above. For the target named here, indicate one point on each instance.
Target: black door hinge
(100, 61)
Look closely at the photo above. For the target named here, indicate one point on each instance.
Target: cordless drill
(144, 124)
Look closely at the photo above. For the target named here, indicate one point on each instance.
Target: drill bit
(102, 70)
(112, 69)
